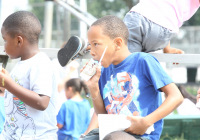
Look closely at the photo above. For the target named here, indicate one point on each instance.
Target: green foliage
(195, 20)
(38, 10)
(89, 100)
(192, 90)
(100, 8)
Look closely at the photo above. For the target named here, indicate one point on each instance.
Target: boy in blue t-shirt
(129, 83)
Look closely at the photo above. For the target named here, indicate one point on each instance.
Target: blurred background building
(59, 23)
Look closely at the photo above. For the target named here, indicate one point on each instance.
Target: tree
(194, 21)
(100, 8)
(131, 3)
(38, 9)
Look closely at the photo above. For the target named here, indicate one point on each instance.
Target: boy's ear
(118, 42)
(20, 40)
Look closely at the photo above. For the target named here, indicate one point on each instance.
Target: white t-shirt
(22, 121)
(168, 13)
(70, 71)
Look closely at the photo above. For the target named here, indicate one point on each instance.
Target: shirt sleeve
(61, 115)
(42, 78)
(154, 72)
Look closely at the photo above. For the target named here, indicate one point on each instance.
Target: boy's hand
(138, 125)
(3, 76)
(5, 71)
(93, 84)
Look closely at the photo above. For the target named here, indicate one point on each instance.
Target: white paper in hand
(112, 122)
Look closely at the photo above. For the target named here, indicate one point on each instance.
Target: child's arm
(173, 99)
(93, 86)
(198, 95)
(29, 97)
(59, 126)
(93, 123)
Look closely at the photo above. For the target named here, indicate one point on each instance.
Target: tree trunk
(131, 3)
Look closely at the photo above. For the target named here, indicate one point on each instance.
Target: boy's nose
(92, 53)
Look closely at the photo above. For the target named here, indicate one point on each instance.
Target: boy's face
(10, 44)
(98, 42)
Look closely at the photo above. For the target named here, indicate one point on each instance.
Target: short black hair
(23, 23)
(113, 27)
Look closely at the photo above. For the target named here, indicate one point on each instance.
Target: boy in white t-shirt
(31, 86)
(152, 23)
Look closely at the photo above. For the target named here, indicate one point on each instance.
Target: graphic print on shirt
(118, 94)
(17, 120)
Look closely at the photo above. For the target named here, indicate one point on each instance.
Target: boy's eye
(96, 44)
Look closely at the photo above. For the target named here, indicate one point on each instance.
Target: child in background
(152, 23)
(74, 115)
(198, 98)
(129, 84)
(2, 109)
(63, 74)
(30, 89)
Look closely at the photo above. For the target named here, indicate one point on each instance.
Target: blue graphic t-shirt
(133, 88)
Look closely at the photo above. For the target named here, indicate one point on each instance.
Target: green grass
(192, 90)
